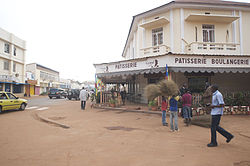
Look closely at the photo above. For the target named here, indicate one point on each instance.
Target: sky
(70, 36)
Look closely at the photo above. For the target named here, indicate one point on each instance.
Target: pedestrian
(83, 97)
(206, 85)
(123, 93)
(164, 106)
(183, 89)
(216, 113)
(173, 102)
(186, 107)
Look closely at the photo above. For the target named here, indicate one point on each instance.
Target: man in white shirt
(217, 112)
(83, 97)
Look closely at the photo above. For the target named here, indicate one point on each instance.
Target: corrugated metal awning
(174, 69)
(133, 72)
(209, 70)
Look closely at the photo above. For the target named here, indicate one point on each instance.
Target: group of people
(185, 96)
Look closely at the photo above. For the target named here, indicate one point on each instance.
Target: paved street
(105, 137)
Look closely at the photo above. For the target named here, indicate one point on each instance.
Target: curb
(129, 110)
(51, 121)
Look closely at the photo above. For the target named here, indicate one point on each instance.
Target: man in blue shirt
(216, 112)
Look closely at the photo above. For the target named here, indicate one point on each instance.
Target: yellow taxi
(8, 101)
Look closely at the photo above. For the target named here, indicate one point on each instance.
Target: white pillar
(171, 31)
(241, 34)
(234, 28)
(182, 30)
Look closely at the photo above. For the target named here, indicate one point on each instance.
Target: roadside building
(30, 87)
(45, 77)
(189, 41)
(65, 84)
(12, 63)
(75, 84)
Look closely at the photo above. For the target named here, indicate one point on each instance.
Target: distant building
(12, 63)
(65, 83)
(45, 78)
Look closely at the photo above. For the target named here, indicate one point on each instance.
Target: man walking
(186, 107)
(83, 97)
(216, 112)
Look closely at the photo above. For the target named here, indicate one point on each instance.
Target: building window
(208, 33)
(6, 65)
(1, 87)
(14, 53)
(157, 36)
(17, 88)
(14, 67)
(197, 84)
(7, 48)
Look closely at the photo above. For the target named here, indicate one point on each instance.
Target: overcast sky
(71, 35)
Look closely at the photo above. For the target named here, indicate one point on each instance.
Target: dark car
(73, 94)
(57, 93)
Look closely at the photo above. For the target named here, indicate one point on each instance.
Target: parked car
(8, 101)
(73, 93)
(56, 92)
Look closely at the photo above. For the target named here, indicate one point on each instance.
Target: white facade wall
(15, 57)
(178, 28)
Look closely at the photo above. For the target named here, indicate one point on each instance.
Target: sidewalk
(129, 107)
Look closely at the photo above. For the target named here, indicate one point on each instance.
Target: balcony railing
(155, 50)
(213, 48)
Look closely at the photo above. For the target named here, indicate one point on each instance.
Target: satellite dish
(17, 75)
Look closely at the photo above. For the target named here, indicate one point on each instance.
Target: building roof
(47, 68)
(43, 67)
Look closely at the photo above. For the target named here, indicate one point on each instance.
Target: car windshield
(3, 96)
(11, 96)
(53, 90)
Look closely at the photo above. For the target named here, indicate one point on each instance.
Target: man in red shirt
(186, 104)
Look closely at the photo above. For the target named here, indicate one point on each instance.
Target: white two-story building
(12, 63)
(44, 78)
(196, 41)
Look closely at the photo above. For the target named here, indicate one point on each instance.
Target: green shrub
(152, 103)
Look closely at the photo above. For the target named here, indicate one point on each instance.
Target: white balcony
(213, 48)
(155, 50)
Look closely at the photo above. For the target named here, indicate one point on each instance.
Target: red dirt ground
(110, 138)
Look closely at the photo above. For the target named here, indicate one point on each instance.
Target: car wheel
(69, 98)
(0, 109)
(22, 107)
(50, 97)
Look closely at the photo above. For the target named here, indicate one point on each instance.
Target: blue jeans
(215, 127)
(83, 103)
(164, 117)
(174, 116)
(186, 112)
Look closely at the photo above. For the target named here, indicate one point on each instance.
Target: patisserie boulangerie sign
(175, 61)
(212, 61)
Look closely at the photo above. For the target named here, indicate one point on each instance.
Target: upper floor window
(6, 65)
(7, 48)
(14, 53)
(14, 67)
(157, 36)
(208, 33)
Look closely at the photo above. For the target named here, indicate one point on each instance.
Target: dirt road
(111, 138)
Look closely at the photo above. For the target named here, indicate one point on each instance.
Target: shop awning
(209, 70)
(133, 72)
(16, 83)
(175, 69)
